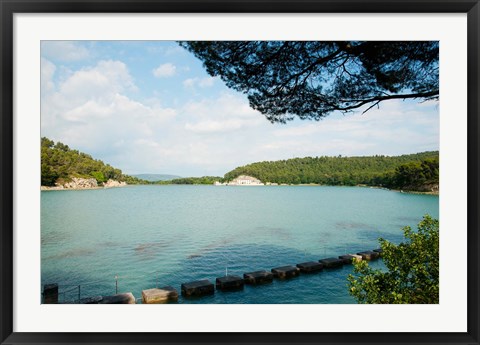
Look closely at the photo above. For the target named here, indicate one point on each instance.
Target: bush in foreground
(412, 275)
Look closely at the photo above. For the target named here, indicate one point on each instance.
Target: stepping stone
(229, 283)
(331, 262)
(286, 272)
(348, 258)
(121, 298)
(161, 295)
(369, 255)
(91, 300)
(310, 267)
(50, 294)
(198, 288)
(258, 277)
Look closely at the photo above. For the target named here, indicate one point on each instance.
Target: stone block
(121, 298)
(50, 294)
(198, 288)
(229, 283)
(285, 272)
(348, 258)
(159, 295)
(310, 267)
(369, 255)
(331, 262)
(91, 300)
(258, 277)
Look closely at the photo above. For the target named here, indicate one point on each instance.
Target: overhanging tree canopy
(311, 79)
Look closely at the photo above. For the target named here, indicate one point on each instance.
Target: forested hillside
(414, 176)
(60, 164)
(192, 180)
(410, 172)
(414, 172)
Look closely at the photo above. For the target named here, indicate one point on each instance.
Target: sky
(150, 107)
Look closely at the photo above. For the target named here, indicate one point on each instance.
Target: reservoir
(138, 237)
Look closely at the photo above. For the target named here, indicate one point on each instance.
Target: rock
(84, 183)
(50, 294)
(198, 288)
(161, 295)
(91, 300)
(369, 255)
(113, 183)
(81, 183)
(331, 262)
(258, 277)
(348, 258)
(121, 298)
(285, 272)
(310, 267)
(229, 283)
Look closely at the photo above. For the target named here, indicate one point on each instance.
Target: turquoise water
(167, 235)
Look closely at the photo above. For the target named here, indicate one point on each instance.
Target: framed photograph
(239, 172)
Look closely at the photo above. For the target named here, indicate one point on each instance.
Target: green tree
(311, 79)
(49, 176)
(373, 170)
(98, 175)
(192, 180)
(412, 270)
(59, 162)
(46, 143)
(414, 175)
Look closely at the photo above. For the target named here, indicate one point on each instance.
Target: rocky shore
(78, 183)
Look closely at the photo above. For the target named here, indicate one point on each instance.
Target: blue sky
(150, 107)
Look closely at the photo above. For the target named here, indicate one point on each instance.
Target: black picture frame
(10, 7)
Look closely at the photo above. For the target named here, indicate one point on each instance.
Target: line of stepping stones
(235, 283)
(204, 287)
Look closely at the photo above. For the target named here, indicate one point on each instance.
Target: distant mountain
(156, 177)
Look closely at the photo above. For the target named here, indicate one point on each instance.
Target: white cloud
(91, 111)
(165, 70)
(174, 50)
(47, 71)
(396, 128)
(206, 82)
(106, 78)
(215, 126)
(64, 50)
(189, 82)
(97, 109)
(203, 139)
(225, 114)
(199, 82)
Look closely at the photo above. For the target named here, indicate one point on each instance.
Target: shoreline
(61, 188)
(79, 183)
(401, 190)
(48, 189)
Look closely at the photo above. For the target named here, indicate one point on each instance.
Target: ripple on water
(168, 235)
